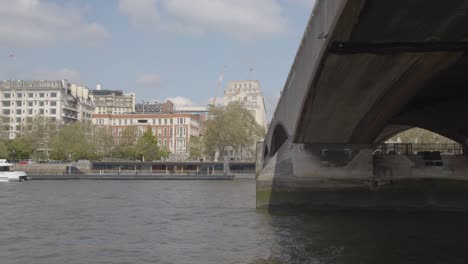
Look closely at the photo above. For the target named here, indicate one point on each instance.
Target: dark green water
(206, 222)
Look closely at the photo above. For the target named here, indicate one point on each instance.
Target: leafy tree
(74, 141)
(196, 148)
(4, 153)
(21, 147)
(164, 152)
(231, 127)
(104, 141)
(421, 136)
(42, 130)
(147, 147)
(127, 144)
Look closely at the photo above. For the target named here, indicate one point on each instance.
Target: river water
(67, 222)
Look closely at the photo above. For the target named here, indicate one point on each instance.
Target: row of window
(28, 103)
(52, 111)
(30, 95)
(32, 84)
(243, 85)
(160, 121)
(246, 98)
(22, 120)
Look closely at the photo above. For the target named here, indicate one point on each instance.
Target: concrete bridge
(365, 71)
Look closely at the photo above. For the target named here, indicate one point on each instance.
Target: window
(53, 103)
(53, 94)
(18, 103)
(30, 111)
(41, 111)
(53, 111)
(6, 103)
(18, 111)
(6, 95)
(41, 94)
(19, 95)
(41, 103)
(30, 95)
(6, 112)
(30, 103)
(165, 132)
(18, 120)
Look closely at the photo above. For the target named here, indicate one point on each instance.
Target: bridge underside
(386, 66)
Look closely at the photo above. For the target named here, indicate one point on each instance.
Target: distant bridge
(365, 71)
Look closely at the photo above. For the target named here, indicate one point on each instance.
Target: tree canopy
(233, 127)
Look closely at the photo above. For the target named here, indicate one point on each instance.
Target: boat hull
(13, 176)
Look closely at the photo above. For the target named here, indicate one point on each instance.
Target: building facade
(249, 94)
(173, 131)
(113, 102)
(58, 101)
(147, 107)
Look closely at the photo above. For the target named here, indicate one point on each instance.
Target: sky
(158, 49)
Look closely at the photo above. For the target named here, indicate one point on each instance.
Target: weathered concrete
(365, 70)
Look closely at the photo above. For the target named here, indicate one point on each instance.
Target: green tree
(104, 141)
(147, 147)
(21, 147)
(196, 148)
(4, 153)
(74, 141)
(42, 130)
(164, 152)
(230, 127)
(421, 136)
(127, 146)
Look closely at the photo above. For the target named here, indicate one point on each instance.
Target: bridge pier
(344, 176)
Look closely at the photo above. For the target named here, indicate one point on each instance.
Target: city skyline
(154, 48)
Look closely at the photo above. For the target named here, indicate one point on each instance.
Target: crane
(218, 86)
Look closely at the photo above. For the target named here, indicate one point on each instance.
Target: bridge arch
(278, 138)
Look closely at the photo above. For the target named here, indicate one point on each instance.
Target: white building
(60, 101)
(173, 131)
(112, 102)
(249, 94)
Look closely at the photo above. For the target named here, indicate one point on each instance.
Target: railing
(417, 149)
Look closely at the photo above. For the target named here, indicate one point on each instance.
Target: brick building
(172, 130)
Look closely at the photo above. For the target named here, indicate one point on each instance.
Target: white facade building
(249, 94)
(60, 101)
(113, 102)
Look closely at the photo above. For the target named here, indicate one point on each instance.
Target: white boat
(7, 175)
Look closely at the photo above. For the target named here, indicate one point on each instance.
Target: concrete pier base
(337, 177)
(397, 195)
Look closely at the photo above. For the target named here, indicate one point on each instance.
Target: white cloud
(57, 74)
(181, 101)
(235, 18)
(37, 22)
(148, 80)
